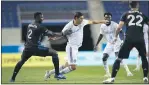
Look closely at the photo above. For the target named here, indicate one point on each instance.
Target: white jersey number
(138, 23)
(29, 34)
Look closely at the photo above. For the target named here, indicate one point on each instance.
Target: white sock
(106, 67)
(125, 66)
(66, 70)
(60, 68)
(138, 62)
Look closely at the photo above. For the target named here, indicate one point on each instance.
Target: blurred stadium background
(16, 15)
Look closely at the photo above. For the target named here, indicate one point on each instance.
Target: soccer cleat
(136, 69)
(109, 81)
(47, 75)
(145, 79)
(129, 74)
(11, 80)
(108, 75)
(60, 76)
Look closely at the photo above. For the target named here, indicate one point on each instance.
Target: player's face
(40, 18)
(80, 19)
(107, 17)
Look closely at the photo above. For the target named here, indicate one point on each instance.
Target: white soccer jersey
(76, 38)
(145, 31)
(109, 31)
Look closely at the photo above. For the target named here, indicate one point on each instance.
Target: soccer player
(134, 20)
(74, 33)
(145, 30)
(32, 46)
(108, 30)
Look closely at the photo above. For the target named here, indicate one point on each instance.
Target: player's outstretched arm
(97, 21)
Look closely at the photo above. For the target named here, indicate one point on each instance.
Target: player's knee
(73, 67)
(119, 60)
(105, 57)
(55, 55)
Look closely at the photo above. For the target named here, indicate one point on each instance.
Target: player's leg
(108, 49)
(125, 66)
(123, 53)
(137, 63)
(50, 72)
(147, 55)
(24, 57)
(43, 51)
(72, 57)
(142, 52)
(139, 57)
(117, 47)
(106, 67)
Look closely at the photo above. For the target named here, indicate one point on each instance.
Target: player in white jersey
(108, 30)
(74, 33)
(145, 31)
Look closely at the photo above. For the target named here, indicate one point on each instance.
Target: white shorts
(112, 48)
(72, 53)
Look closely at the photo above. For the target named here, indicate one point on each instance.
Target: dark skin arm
(99, 39)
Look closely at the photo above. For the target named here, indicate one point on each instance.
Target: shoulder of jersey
(102, 25)
(134, 11)
(32, 25)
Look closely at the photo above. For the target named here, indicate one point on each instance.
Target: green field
(83, 74)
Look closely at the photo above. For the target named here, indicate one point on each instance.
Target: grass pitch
(83, 74)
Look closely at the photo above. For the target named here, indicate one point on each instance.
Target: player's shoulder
(70, 23)
(134, 12)
(102, 25)
(32, 25)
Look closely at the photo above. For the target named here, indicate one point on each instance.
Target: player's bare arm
(119, 28)
(97, 21)
(99, 39)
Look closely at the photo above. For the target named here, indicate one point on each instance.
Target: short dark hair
(133, 4)
(107, 13)
(78, 15)
(37, 14)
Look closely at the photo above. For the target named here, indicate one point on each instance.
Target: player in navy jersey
(33, 46)
(134, 21)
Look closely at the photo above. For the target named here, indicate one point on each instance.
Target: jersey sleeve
(67, 26)
(145, 28)
(46, 31)
(123, 17)
(146, 19)
(101, 29)
(85, 22)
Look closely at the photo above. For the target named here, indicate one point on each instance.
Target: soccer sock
(66, 70)
(125, 66)
(115, 68)
(138, 62)
(16, 69)
(106, 67)
(144, 66)
(55, 60)
(60, 68)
